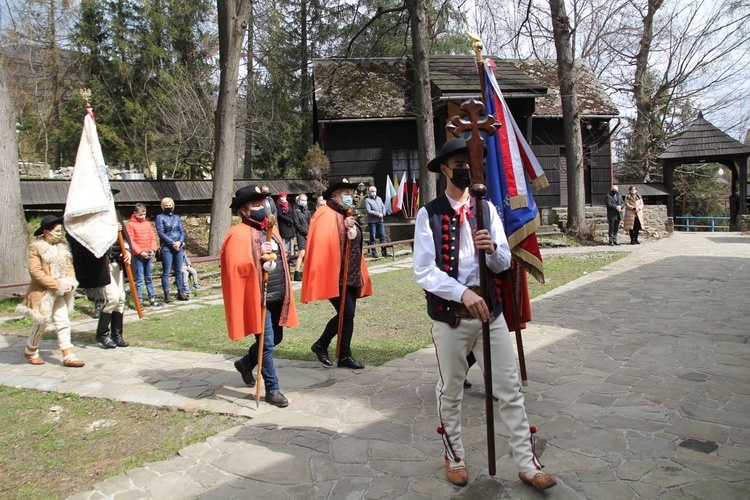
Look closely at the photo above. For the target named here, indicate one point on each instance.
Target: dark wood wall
(364, 149)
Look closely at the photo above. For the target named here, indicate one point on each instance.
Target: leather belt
(459, 309)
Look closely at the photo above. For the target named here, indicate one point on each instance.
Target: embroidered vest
(446, 234)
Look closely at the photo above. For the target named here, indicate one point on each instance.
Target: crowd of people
(256, 282)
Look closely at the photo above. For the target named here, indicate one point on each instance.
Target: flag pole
(120, 238)
(477, 46)
(514, 302)
(475, 124)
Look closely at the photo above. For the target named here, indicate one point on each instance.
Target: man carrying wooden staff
(246, 254)
(335, 270)
(447, 249)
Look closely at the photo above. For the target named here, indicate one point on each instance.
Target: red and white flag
(90, 215)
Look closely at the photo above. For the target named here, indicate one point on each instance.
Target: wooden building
(365, 122)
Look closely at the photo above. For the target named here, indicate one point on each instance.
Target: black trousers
(614, 227)
(331, 329)
(636, 229)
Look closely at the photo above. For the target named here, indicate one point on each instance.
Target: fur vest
(51, 271)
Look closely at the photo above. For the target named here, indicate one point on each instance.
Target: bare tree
(13, 265)
(234, 17)
(37, 40)
(693, 57)
(423, 98)
(571, 117)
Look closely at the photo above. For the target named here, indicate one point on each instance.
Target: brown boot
(32, 355)
(70, 360)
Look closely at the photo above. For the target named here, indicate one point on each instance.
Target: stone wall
(744, 223)
(657, 224)
(42, 171)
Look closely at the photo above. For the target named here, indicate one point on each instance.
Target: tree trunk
(305, 80)
(234, 17)
(643, 100)
(423, 99)
(571, 118)
(14, 264)
(247, 163)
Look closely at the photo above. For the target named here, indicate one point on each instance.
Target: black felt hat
(48, 222)
(246, 195)
(343, 184)
(450, 148)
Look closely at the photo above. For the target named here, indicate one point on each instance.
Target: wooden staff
(129, 273)
(344, 275)
(475, 146)
(261, 338)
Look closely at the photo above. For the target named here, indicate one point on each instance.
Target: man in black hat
(447, 249)
(247, 251)
(333, 229)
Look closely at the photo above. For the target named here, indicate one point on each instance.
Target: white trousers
(114, 293)
(60, 323)
(452, 345)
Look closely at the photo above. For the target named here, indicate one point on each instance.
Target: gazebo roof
(703, 142)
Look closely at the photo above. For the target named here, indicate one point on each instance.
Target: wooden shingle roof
(458, 75)
(52, 194)
(349, 89)
(702, 141)
(592, 99)
(362, 88)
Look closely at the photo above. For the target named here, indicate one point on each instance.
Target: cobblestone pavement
(639, 383)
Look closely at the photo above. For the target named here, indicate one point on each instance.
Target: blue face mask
(347, 200)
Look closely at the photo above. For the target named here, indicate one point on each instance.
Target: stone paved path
(639, 382)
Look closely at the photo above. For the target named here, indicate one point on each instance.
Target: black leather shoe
(167, 298)
(277, 399)
(182, 296)
(349, 362)
(467, 384)
(322, 354)
(106, 341)
(247, 375)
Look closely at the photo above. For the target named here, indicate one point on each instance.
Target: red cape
(325, 247)
(241, 279)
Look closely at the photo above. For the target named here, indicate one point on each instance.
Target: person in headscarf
(49, 298)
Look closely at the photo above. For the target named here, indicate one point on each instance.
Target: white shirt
(433, 279)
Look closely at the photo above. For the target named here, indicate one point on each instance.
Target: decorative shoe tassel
(533, 439)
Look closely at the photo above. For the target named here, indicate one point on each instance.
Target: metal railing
(691, 223)
(216, 258)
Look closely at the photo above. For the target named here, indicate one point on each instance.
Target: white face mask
(303, 203)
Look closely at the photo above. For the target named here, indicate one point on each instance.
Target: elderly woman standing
(49, 299)
(633, 214)
(327, 264)
(172, 236)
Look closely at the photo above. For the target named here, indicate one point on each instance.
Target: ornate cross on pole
(475, 124)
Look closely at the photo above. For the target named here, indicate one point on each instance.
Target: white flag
(390, 192)
(400, 193)
(90, 215)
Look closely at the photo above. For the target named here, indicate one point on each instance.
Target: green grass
(390, 324)
(54, 445)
